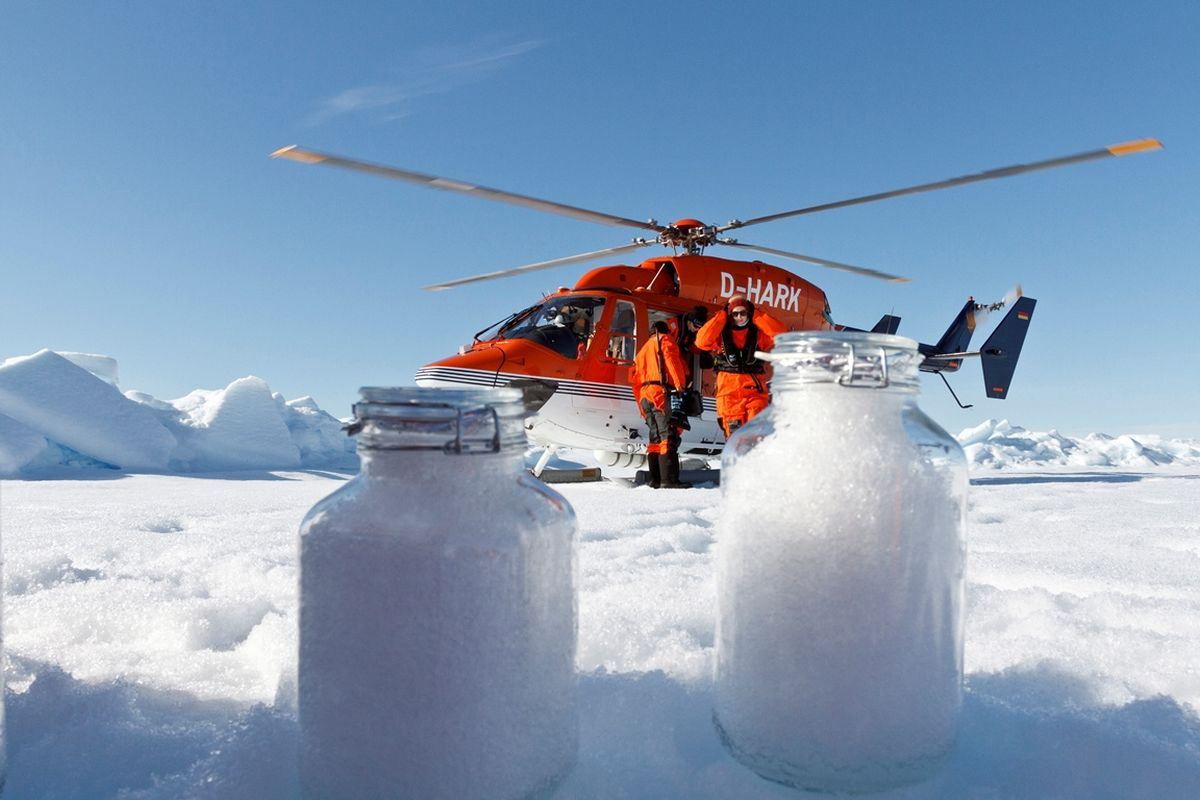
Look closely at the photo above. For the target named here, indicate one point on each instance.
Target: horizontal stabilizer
(1002, 349)
(887, 324)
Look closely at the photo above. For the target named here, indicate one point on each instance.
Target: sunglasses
(740, 313)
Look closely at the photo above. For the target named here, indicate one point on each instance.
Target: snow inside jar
(840, 559)
(437, 609)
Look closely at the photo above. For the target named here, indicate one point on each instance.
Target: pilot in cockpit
(578, 321)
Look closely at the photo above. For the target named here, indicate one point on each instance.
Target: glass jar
(438, 609)
(840, 558)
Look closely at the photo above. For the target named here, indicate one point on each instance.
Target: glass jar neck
(429, 467)
(451, 423)
(844, 360)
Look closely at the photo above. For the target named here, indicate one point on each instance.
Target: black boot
(655, 471)
(670, 472)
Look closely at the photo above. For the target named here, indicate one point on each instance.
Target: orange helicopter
(572, 351)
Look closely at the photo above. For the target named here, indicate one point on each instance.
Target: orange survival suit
(658, 369)
(741, 376)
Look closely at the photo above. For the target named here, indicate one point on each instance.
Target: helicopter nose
(482, 368)
(473, 369)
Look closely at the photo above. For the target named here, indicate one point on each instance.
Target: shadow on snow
(1025, 733)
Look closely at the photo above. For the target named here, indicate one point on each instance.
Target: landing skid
(582, 475)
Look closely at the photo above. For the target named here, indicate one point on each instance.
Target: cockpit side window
(622, 333)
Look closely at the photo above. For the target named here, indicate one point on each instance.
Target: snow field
(179, 589)
(151, 638)
(150, 620)
(1106, 572)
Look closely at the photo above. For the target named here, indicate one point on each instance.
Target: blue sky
(141, 217)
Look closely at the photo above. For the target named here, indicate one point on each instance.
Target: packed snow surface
(150, 616)
(150, 627)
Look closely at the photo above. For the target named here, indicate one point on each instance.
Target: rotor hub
(690, 234)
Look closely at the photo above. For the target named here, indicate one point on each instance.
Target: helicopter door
(613, 363)
(607, 409)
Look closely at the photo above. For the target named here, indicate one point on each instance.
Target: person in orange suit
(658, 371)
(733, 336)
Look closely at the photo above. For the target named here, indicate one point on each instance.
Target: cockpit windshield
(565, 323)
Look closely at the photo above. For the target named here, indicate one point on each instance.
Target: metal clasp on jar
(457, 447)
(404, 424)
(869, 379)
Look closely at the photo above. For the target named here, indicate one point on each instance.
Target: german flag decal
(1023, 316)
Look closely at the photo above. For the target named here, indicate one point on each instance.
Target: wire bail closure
(457, 446)
(849, 379)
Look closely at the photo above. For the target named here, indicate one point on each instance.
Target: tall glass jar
(840, 560)
(438, 609)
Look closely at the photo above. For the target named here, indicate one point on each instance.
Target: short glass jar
(438, 609)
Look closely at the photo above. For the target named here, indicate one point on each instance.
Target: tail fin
(947, 354)
(958, 336)
(1000, 352)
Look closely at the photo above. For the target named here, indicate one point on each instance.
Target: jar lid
(849, 358)
(459, 421)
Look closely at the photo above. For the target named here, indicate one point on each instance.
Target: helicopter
(572, 350)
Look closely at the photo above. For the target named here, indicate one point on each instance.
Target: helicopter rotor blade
(304, 156)
(821, 262)
(557, 262)
(1003, 172)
